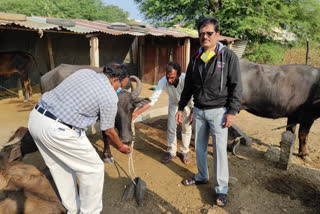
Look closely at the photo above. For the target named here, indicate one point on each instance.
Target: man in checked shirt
(58, 123)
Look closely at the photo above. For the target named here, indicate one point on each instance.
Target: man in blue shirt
(58, 123)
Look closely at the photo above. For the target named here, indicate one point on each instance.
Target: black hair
(116, 70)
(209, 20)
(173, 65)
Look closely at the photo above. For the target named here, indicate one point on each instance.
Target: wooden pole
(141, 57)
(156, 67)
(187, 44)
(307, 55)
(50, 53)
(94, 51)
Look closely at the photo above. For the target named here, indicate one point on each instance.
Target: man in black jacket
(213, 78)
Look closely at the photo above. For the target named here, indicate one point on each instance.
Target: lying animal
(24, 189)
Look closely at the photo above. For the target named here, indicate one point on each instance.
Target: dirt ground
(256, 184)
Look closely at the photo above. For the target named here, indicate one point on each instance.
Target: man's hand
(229, 120)
(179, 118)
(125, 149)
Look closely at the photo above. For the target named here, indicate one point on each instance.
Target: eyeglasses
(209, 34)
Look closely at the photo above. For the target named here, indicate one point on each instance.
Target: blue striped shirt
(82, 98)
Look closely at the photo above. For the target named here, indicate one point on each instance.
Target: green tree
(250, 19)
(83, 9)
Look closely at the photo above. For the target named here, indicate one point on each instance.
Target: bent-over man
(58, 123)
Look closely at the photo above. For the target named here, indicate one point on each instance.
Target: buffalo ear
(138, 102)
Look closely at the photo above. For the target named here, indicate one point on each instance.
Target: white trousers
(186, 130)
(69, 155)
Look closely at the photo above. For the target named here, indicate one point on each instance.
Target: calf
(18, 62)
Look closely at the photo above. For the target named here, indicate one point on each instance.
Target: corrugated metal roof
(85, 26)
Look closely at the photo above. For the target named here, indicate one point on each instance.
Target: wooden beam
(230, 45)
(156, 66)
(188, 46)
(135, 51)
(94, 51)
(141, 57)
(92, 35)
(50, 53)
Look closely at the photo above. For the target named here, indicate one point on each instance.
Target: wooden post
(94, 62)
(141, 57)
(171, 54)
(307, 55)
(286, 147)
(94, 51)
(156, 67)
(187, 44)
(230, 45)
(50, 53)
(135, 51)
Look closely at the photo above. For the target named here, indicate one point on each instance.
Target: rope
(132, 175)
(237, 140)
(9, 90)
(130, 160)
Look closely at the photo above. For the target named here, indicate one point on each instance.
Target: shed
(96, 43)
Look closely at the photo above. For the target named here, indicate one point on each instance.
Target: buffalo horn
(135, 93)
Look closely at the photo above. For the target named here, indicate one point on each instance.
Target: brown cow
(24, 189)
(18, 62)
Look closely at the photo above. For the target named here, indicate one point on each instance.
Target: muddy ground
(257, 185)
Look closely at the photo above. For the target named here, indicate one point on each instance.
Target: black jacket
(222, 85)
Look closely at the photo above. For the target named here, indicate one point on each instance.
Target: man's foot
(168, 158)
(192, 181)
(221, 200)
(185, 158)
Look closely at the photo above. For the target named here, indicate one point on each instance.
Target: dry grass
(297, 55)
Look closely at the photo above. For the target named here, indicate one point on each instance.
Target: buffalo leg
(291, 125)
(25, 83)
(107, 156)
(303, 137)
(30, 88)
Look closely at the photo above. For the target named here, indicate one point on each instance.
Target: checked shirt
(82, 98)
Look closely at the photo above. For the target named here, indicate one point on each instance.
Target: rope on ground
(237, 140)
(9, 90)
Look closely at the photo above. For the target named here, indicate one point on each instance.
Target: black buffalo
(291, 91)
(128, 102)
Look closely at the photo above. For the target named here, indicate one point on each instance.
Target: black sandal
(192, 181)
(221, 200)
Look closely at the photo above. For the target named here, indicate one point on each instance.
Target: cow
(24, 189)
(12, 62)
(128, 102)
(291, 91)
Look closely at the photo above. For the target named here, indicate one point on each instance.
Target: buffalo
(18, 62)
(291, 91)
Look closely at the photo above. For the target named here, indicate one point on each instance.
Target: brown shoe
(167, 158)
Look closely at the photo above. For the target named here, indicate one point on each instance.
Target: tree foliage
(83, 9)
(250, 19)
